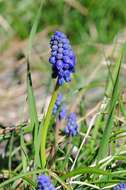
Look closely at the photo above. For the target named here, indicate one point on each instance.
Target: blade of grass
(20, 176)
(85, 170)
(122, 107)
(26, 179)
(38, 143)
(93, 170)
(31, 98)
(23, 155)
(34, 28)
(46, 125)
(10, 152)
(85, 184)
(59, 180)
(23, 152)
(83, 141)
(104, 145)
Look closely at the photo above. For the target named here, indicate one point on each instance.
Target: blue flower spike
(44, 183)
(62, 114)
(120, 186)
(71, 128)
(57, 103)
(62, 58)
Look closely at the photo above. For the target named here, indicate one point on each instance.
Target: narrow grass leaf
(23, 152)
(60, 180)
(85, 184)
(104, 145)
(31, 98)
(46, 125)
(10, 152)
(20, 176)
(85, 170)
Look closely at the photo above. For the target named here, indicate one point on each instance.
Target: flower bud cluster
(58, 106)
(62, 58)
(120, 186)
(44, 183)
(71, 128)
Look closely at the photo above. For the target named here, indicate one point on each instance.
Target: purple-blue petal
(62, 58)
(71, 128)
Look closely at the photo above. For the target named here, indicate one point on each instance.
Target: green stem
(46, 125)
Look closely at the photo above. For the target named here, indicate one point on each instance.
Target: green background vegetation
(107, 16)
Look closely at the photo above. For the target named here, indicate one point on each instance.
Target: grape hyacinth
(120, 186)
(44, 183)
(57, 103)
(62, 58)
(62, 113)
(71, 128)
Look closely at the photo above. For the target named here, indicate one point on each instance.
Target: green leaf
(59, 180)
(20, 176)
(23, 152)
(85, 170)
(10, 152)
(46, 125)
(104, 145)
(31, 98)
